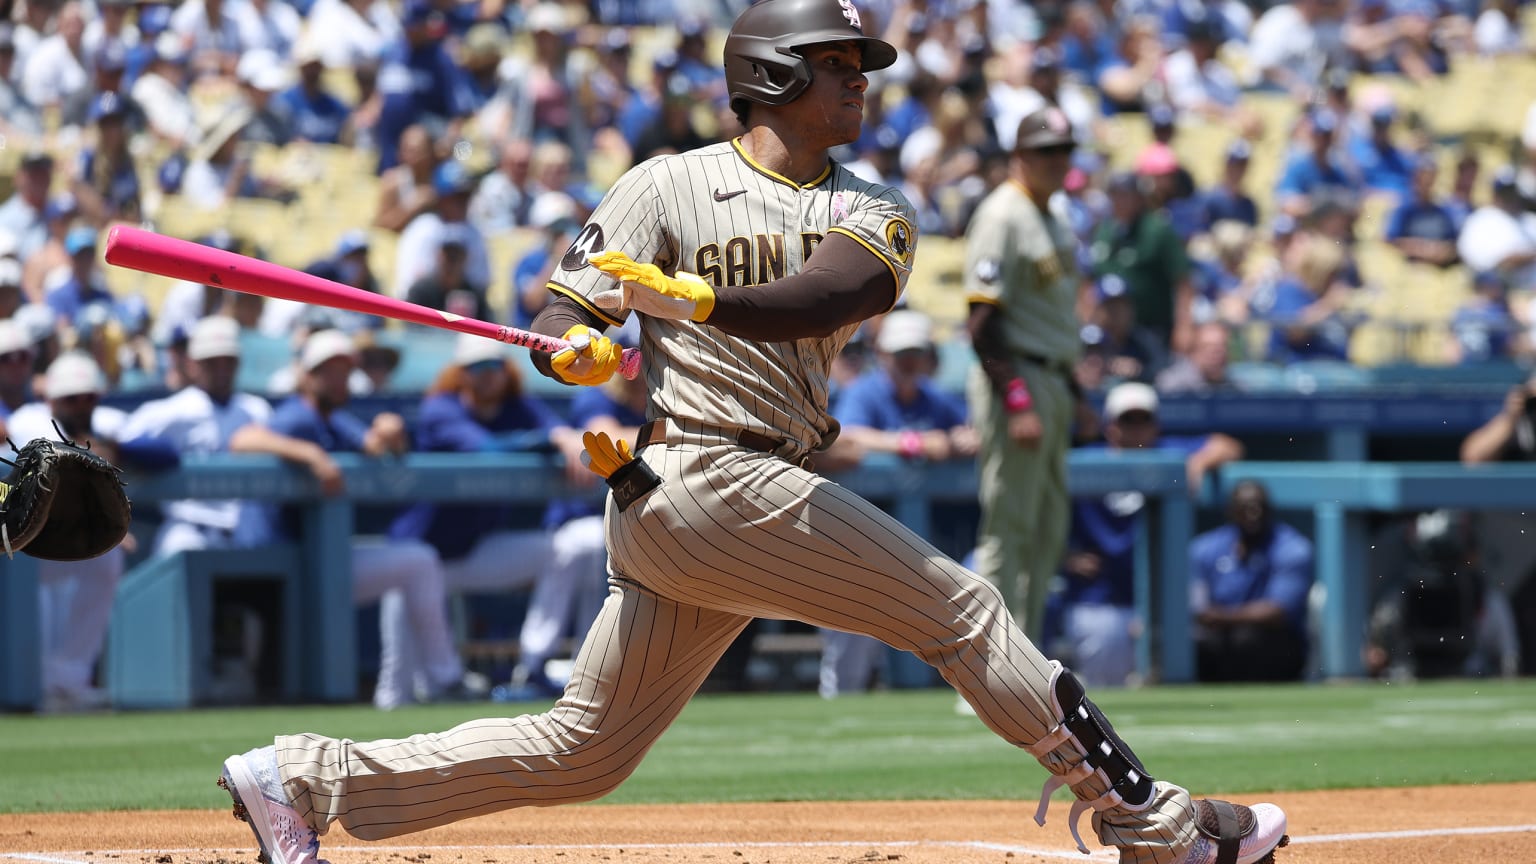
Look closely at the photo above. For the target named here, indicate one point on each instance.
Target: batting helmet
(761, 61)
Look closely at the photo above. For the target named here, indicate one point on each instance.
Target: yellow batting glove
(603, 455)
(628, 477)
(644, 288)
(591, 359)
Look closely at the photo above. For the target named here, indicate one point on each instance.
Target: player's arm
(255, 438)
(843, 283)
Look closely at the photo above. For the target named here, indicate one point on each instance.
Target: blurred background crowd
(1324, 187)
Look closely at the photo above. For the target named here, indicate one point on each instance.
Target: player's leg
(752, 534)
(625, 691)
(848, 662)
(87, 589)
(1022, 493)
(578, 567)
(500, 561)
(406, 578)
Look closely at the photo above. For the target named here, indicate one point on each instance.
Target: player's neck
(783, 154)
(1040, 200)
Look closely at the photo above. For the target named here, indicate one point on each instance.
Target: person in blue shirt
(530, 276)
(420, 83)
(1421, 227)
(893, 408)
(312, 113)
(1096, 594)
(105, 181)
(85, 284)
(404, 576)
(1483, 328)
(477, 405)
(1315, 172)
(1382, 165)
(1249, 581)
(1306, 310)
(1227, 200)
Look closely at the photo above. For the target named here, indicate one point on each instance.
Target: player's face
(216, 375)
(1045, 168)
(833, 105)
(328, 381)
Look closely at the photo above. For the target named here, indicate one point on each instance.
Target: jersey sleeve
(630, 219)
(986, 248)
(885, 224)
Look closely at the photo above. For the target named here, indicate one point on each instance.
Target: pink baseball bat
(146, 251)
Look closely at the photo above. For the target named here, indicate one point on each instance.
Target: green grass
(898, 745)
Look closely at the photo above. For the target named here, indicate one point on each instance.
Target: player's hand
(1025, 429)
(591, 359)
(644, 288)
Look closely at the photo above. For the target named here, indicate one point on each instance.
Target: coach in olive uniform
(794, 252)
(1021, 282)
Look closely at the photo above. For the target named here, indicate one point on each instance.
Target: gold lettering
(770, 257)
(706, 264)
(738, 261)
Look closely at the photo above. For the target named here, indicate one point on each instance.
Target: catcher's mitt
(62, 502)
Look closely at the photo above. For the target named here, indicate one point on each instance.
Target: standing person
(76, 596)
(1021, 282)
(738, 527)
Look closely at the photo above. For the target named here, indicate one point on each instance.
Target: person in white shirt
(1198, 82)
(357, 32)
(74, 597)
(201, 419)
(55, 70)
(1292, 43)
(161, 92)
(111, 26)
(1501, 235)
(416, 254)
(217, 32)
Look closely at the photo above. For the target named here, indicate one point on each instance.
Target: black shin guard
(1085, 729)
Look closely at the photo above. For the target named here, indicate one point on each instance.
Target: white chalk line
(96, 856)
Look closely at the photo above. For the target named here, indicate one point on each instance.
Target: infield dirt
(1433, 825)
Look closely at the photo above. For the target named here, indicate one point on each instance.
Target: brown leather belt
(655, 432)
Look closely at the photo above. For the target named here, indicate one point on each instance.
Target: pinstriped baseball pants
(730, 534)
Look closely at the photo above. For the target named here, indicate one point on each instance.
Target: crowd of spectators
(479, 119)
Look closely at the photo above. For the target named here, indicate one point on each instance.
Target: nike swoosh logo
(726, 196)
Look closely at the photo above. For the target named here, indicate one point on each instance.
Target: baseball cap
(1111, 286)
(170, 48)
(154, 18)
(471, 349)
(1239, 151)
(60, 206)
(1283, 225)
(352, 241)
(326, 345)
(905, 330)
(107, 105)
(13, 337)
(1505, 179)
(1161, 116)
(451, 178)
(214, 336)
(546, 18)
(1045, 58)
(453, 234)
(36, 159)
(1047, 127)
(79, 239)
(1128, 397)
(1156, 160)
(1324, 122)
(72, 374)
(36, 321)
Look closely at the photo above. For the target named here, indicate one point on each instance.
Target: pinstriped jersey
(715, 212)
(1025, 262)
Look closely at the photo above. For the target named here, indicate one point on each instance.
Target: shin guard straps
(1104, 755)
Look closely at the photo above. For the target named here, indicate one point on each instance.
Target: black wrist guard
(631, 482)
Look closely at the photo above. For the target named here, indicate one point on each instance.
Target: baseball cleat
(1237, 834)
(281, 835)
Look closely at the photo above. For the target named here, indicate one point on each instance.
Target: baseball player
(750, 262)
(1021, 283)
(75, 597)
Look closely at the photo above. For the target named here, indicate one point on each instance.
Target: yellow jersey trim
(584, 303)
(774, 175)
(982, 298)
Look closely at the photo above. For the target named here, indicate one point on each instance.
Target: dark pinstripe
(730, 534)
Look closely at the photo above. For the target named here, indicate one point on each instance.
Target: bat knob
(629, 365)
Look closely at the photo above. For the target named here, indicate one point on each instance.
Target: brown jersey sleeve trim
(563, 313)
(842, 284)
(876, 252)
(985, 326)
(585, 304)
